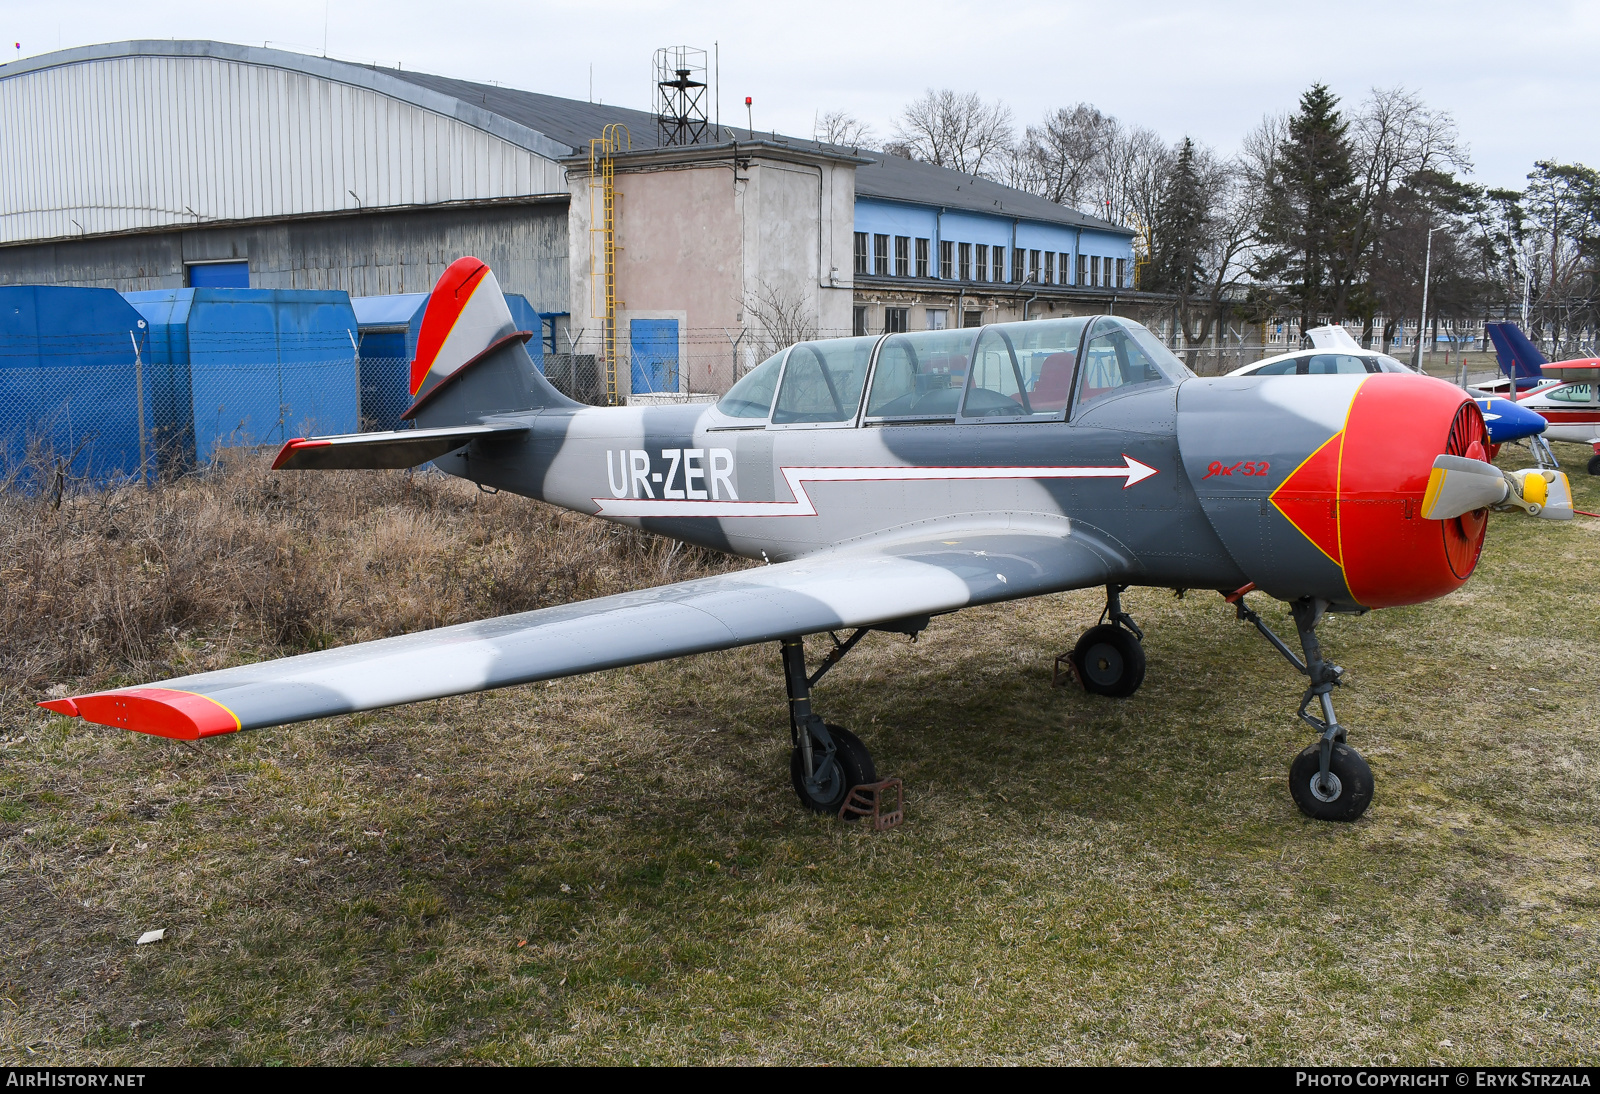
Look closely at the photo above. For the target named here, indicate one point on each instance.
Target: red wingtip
(290, 447)
(62, 706)
(161, 712)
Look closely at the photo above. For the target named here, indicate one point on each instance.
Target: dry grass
(243, 563)
(612, 868)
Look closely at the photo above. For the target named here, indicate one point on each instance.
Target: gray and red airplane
(887, 480)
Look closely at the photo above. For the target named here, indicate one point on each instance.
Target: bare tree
(956, 130)
(1396, 138)
(842, 128)
(1132, 175)
(1059, 158)
(777, 318)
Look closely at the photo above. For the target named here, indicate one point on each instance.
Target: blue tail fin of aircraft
(1519, 358)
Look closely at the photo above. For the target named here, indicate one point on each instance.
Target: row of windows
(909, 257)
(1004, 372)
(898, 320)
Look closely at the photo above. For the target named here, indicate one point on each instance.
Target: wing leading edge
(845, 588)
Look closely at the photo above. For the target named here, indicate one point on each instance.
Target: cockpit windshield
(751, 397)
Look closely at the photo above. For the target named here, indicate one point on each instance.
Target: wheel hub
(1103, 664)
(1326, 788)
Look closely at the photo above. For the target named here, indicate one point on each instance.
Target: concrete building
(144, 165)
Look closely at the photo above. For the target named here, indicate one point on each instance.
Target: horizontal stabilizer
(375, 451)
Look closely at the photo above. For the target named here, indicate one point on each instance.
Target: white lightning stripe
(802, 506)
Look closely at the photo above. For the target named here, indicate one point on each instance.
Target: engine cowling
(1315, 483)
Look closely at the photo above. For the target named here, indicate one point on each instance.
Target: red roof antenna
(750, 116)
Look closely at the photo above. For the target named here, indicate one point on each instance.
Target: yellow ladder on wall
(602, 171)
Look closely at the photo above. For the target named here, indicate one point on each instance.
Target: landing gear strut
(831, 769)
(1110, 657)
(1328, 780)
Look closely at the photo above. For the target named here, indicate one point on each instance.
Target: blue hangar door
(654, 345)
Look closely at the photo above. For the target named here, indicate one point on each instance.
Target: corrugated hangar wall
(370, 254)
(124, 163)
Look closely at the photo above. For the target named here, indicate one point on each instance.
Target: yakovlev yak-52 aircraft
(890, 479)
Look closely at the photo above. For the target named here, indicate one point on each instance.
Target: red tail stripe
(445, 304)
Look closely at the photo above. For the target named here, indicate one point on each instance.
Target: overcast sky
(1522, 80)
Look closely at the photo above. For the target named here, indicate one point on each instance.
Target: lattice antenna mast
(602, 185)
(681, 95)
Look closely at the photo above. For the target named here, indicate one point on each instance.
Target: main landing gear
(831, 769)
(1109, 658)
(1328, 780)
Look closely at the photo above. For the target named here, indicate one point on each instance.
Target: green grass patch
(613, 868)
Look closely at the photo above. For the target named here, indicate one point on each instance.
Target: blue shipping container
(264, 365)
(70, 372)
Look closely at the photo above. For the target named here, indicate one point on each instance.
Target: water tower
(681, 95)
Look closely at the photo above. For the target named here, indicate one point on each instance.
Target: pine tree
(1311, 205)
(1181, 228)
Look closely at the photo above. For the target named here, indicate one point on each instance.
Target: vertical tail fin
(1520, 359)
(470, 357)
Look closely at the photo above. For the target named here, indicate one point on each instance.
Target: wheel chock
(867, 800)
(1059, 674)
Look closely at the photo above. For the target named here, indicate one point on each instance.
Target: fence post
(138, 393)
(356, 347)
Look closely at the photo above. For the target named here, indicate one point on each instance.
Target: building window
(938, 319)
(973, 317)
(1019, 264)
(1094, 270)
(1049, 267)
(966, 262)
(880, 255)
(1065, 267)
(1083, 271)
(945, 247)
(858, 314)
(895, 320)
(982, 267)
(902, 256)
(1122, 271)
(861, 252)
(1034, 270)
(922, 258)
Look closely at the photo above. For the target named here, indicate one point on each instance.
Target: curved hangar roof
(133, 136)
(140, 135)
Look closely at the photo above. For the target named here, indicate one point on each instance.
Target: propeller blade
(1459, 484)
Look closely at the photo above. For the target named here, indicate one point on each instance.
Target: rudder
(471, 361)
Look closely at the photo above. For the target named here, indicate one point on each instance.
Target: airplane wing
(371, 451)
(870, 584)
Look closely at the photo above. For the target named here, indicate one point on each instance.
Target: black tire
(1594, 464)
(854, 768)
(1110, 661)
(1353, 784)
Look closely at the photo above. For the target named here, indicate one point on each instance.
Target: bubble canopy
(1027, 371)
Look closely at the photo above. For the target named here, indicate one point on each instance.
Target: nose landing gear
(1328, 780)
(1109, 658)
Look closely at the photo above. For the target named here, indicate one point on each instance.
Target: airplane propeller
(1459, 484)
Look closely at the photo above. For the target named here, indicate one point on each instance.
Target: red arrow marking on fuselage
(1133, 471)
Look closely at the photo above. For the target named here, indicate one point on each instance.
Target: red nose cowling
(1359, 496)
